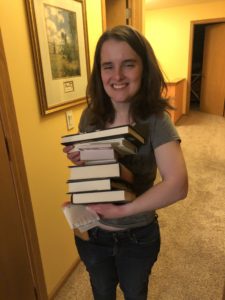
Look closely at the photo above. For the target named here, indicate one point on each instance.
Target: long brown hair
(148, 99)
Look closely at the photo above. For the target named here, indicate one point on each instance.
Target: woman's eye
(106, 66)
(129, 65)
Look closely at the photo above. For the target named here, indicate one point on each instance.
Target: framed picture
(59, 41)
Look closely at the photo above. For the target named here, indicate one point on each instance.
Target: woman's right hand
(74, 156)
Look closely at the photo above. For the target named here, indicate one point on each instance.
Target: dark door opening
(197, 62)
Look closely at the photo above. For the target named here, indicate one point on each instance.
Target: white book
(101, 171)
(127, 132)
(96, 153)
(102, 197)
(121, 145)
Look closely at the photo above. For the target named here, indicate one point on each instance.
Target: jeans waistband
(126, 231)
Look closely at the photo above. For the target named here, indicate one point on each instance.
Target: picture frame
(59, 40)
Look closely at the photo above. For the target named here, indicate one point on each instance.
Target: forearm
(161, 195)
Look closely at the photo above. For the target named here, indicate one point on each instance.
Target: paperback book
(98, 153)
(120, 145)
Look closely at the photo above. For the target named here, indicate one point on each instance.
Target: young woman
(126, 87)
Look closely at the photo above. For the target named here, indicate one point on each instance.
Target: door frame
(17, 165)
(190, 56)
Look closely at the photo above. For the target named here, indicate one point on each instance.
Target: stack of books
(102, 178)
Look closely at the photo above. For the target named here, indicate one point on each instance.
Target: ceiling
(156, 4)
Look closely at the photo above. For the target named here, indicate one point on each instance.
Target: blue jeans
(124, 257)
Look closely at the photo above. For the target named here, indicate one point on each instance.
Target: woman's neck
(121, 118)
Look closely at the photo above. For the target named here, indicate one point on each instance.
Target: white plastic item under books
(79, 216)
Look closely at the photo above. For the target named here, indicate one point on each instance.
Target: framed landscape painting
(59, 41)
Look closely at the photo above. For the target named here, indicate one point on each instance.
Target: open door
(116, 13)
(21, 273)
(122, 12)
(16, 274)
(212, 98)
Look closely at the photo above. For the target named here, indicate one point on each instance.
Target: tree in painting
(61, 29)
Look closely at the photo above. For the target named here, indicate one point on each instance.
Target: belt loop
(115, 237)
(132, 236)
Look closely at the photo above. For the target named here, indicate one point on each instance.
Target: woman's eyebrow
(129, 60)
(107, 63)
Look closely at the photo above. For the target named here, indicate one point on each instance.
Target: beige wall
(168, 31)
(40, 136)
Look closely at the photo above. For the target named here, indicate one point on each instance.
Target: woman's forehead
(117, 49)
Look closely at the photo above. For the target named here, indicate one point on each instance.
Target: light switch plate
(69, 119)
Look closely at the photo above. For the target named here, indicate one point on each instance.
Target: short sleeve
(163, 131)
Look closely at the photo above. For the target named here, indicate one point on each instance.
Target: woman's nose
(118, 73)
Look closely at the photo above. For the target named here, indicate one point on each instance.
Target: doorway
(122, 12)
(207, 67)
(197, 62)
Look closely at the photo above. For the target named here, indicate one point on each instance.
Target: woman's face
(121, 71)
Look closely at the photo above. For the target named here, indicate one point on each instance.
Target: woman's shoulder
(155, 118)
(157, 127)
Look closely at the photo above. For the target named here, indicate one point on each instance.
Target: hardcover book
(95, 185)
(127, 132)
(104, 196)
(111, 170)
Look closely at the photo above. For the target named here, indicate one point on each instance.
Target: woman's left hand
(107, 210)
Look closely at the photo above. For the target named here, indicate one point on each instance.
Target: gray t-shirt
(157, 130)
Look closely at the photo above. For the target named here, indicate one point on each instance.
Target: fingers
(74, 156)
(106, 210)
(64, 204)
(66, 149)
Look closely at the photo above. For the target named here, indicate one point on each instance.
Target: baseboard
(63, 280)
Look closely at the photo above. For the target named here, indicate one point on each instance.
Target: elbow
(183, 190)
(183, 194)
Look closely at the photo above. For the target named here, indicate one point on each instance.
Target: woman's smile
(119, 86)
